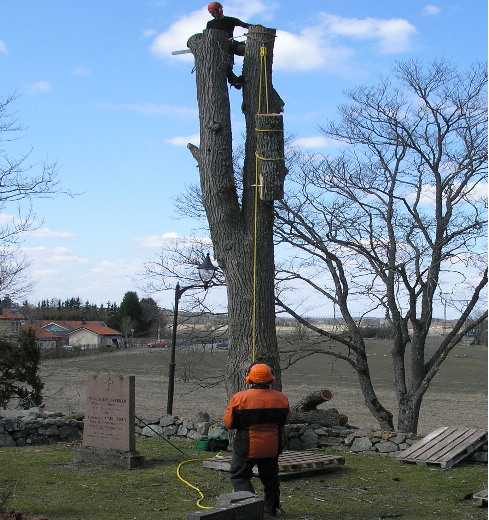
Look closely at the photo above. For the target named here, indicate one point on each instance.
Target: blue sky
(101, 94)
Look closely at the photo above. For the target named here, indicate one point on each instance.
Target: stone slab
(108, 457)
(235, 506)
(110, 412)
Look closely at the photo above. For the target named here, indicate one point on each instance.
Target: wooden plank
(289, 462)
(444, 446)
(424, 442)
(480, 498)
(439, 447)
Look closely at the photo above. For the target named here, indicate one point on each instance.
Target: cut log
(270, 155)
(311, 401)
(330, 417)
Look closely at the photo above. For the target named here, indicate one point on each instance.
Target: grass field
(457, 396)
(43, 480)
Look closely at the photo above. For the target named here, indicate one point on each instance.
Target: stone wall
(36, 426)
(298, 437)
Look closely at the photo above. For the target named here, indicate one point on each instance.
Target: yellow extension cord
(195, 488)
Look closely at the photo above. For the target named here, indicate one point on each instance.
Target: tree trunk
(239, 252)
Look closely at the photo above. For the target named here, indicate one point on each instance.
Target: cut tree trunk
(305, 411)
(270, 155)
(311, 401)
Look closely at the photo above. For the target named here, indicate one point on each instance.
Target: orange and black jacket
(258, 415)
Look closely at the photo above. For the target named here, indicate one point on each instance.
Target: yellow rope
(255, 265)
(263, 85)
(269, 158)
(263, 78)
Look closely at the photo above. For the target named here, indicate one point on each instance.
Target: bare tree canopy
(20, 183)
(396, 221)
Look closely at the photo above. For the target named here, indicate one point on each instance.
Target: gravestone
(239, 505)
(109, 426)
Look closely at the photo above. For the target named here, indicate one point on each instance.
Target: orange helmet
(214, 6)
(259, 373)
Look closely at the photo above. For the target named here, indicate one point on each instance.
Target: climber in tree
(228, 23)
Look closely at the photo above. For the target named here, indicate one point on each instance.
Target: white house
(93, 336)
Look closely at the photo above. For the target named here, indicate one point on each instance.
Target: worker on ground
(228, 24)
(258, 415)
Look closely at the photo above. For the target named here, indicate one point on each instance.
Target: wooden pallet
(289, 463)
(480, 498)
(444, 446)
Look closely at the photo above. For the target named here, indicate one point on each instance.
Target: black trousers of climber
(237, 48)
(241, 472)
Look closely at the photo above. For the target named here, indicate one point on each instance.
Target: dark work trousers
(242, 471)
(237, 48)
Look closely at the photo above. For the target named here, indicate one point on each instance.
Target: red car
(162, 343)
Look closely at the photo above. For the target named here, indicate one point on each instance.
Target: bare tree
(396, 218)
(20, 183)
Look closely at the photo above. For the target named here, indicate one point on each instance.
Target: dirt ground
(457, 397)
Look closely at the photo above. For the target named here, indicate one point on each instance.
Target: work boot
(236, 81)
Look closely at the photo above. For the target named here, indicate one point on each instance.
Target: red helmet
(259, 373)
(214, 6)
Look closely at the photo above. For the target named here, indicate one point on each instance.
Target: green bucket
(203, 443)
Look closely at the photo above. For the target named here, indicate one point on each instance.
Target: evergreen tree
(19, 366)
(131, 307)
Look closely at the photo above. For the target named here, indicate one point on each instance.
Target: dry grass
(457, 397)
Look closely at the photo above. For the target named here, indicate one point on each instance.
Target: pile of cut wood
(306, 411)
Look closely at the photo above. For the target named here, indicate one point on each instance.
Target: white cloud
(48, 233)
(3, 48)
(329, 43)
(149, 33)
(475, 192)
(157, 240)
(80, 71)
(46, 256)
(431, 10)
(316, 142)
(40, 86)
(183, 141)
(392, 35)
(171, 238)
(7, 219)
(121, 267)
(305, 51)
(68, 260)
(176, 36)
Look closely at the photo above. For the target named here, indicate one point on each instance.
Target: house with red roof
(45, 338)
(95, 336)
(62, 327)
(10, 324)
